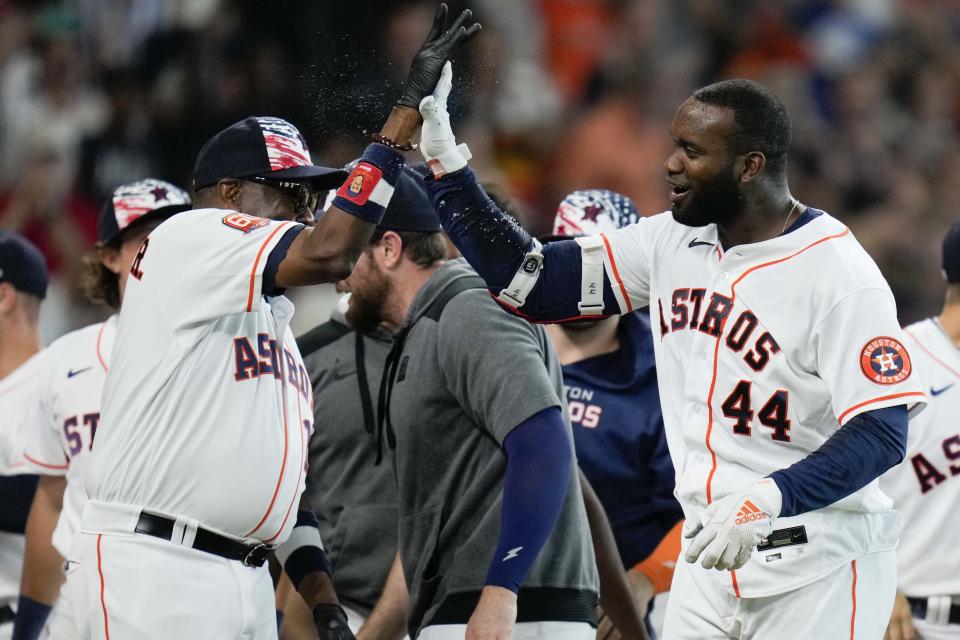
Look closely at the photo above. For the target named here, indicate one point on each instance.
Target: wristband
(369, 187)
(302, 553)
(31, 616)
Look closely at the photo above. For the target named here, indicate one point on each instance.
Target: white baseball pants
(853, 602)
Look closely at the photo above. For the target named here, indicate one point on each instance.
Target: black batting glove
(436, 50)
(331, 622)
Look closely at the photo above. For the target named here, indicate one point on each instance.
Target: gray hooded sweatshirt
(463, 379)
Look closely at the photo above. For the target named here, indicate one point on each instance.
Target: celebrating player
(200, 452)
(923, 487)
(611, 384)
(784, 379)
(23, 286)
(71, 380)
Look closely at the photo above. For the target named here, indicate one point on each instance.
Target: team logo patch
(885, 361)
(243, 222)
(285, 146)
(360, 184)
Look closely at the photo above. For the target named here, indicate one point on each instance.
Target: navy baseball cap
(136, 201)
(592, 211)
(410, 208)
(951, 254)
(264, 147)
(22, 264)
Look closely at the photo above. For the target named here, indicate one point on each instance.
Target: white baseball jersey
(71, 379)
(925, 487)
(763, 352)
(207, 405)
(18, 395)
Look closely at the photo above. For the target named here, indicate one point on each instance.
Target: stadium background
(553, 95)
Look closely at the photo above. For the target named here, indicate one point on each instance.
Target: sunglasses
(305, 199)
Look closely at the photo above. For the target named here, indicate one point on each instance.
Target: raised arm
(328, 251)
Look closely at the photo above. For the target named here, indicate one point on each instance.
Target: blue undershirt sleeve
(495, 245)
(18, 498)
(860, 451)
(539, 463)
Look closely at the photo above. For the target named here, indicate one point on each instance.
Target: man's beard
(365, 312)
(715, 202)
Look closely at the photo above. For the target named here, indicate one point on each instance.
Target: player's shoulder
(926, 333)
(76, 340)
(839, 256)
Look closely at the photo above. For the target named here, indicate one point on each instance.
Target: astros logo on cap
(885, 361)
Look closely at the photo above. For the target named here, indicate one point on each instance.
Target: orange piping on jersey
(99, 354)
(44, 464)
(616, 273)
(103, 601)
(716, 351)
(736, 587)
(853, 591)
(302, 466)
(253, 273)
(880, 399)
(283, 461)
(933, 357)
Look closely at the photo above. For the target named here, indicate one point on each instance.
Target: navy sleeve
(18, 497)
(495, 245)
(276, 256)
(859, 452)
(539, 465)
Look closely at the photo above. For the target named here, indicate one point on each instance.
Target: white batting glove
(437, 142)
(730, 528)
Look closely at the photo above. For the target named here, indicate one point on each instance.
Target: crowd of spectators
(553, 95)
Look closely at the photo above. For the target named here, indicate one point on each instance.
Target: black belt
(6, 614)
(918, 607)
(252, 555)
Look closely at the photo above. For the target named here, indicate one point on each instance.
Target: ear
(391, 250)
(229, 192)
(752, 165)
(109, 257)
(8, 298)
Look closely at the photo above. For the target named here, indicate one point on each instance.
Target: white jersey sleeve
(213, 261)
(861, 357)
(43, 449)
(629, 259)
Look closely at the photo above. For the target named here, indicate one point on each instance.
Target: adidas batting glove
(730, 528)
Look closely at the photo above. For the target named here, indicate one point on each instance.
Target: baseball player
(197, 471)
(923, 487)
(611, 385)
(783, 375)
(23, 285)
(71, 378)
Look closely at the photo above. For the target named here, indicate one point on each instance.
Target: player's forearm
(859, 452)
(388, 620)
(539, 464)
(42, 565)
(615, 595)
(317, 588)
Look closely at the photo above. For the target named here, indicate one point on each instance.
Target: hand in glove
(331, 623)
(435, 51)
(437, 142)
(730, 528)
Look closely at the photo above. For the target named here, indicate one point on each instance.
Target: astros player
(197, 470)
(924, 487)
(23, 285)
(71, 378)
(784, 379)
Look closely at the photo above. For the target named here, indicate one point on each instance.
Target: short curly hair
(761, 122)
(99, 284)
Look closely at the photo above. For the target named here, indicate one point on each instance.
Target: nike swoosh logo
(698, 243)
(936, 392)
(72, 373)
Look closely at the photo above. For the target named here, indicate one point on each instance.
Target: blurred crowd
(554, 95)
